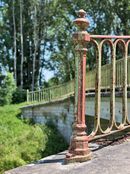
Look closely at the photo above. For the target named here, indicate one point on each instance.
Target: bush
(7, 89)
(22, 142)
(19, 96)
(54, 141)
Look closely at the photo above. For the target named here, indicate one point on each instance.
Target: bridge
(67, 89)
(65, 104)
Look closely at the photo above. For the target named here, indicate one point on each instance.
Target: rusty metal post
(78, 150)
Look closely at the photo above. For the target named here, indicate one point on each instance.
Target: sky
(48, 74)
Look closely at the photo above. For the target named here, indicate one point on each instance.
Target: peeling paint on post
(78, 150)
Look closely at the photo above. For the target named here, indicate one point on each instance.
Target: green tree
(46, 28)
(7, 89)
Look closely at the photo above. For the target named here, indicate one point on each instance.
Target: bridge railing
(66, 89)
(52, 93)
(111, 76)
(106, 76)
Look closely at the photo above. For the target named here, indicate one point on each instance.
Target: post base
(78, 158)
(78, 150)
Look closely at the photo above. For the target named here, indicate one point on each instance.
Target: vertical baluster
(120, 75)
(32, 96)
(102, 77)
(68, 88)
(116, 74)
(35, 95)
(128, 72)
(90, 80)
(112, 86)
(121, 80)
(27, 95)
(105, 76)
(118, 69)
(73, 86)
(54, 93)
(39, 95)
(110, 75)
(87, 81)
(89, 74)
(43, 94)
(48, 95)
(37, 92)
(61, 89)
(93, 80)
(124, 107)
(97, 90)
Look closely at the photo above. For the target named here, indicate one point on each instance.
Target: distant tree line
(36, 35)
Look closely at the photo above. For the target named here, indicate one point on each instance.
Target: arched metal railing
(111, 76)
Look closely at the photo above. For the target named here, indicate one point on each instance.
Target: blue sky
(48, 74)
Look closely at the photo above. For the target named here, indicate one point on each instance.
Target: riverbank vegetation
(22, 141)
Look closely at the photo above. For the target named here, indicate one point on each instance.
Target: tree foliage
(46, 29)
(7, 89)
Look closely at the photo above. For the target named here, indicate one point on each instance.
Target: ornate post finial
(82, 22)
(82, 13)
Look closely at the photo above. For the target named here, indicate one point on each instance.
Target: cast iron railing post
(78, 150)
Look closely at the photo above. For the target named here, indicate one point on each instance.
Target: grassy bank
(22, 142)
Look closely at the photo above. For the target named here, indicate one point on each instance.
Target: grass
(22, 142)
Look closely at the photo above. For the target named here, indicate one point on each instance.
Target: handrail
(109, 37)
